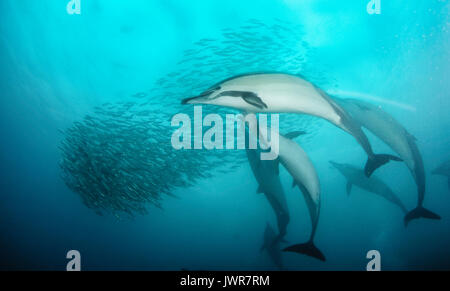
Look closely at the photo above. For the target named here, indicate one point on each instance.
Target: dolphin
(267, 175)
(285, 93)
(300, 167)
(273, 249)
(385, 127)
(443, 170)
(356, 176)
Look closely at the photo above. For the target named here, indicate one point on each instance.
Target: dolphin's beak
(190, 100)
(195, 100)
(203, 98)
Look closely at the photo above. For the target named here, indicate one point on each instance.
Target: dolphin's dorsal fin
(259, 190)
(412, 136)
(349, 188)
(363, 107)
(294, 134)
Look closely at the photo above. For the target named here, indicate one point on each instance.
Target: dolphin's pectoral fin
(253, 99)
(294, 134)
(349, 188)
(294, 183)
(259, 190)
(249, 97)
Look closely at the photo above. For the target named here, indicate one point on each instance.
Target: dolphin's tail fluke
(308, 249)
(420, 212)
(376, 161)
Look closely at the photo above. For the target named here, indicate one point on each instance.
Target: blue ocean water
(58, 68)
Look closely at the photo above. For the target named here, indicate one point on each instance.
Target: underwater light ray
(354, 94)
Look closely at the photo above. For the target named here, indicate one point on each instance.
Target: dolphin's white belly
(298, 164)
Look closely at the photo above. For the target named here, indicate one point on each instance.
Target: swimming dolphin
(443, 170)
(284, 93)
(273, 249)
(300, 167)
(267, 175)
(356, 176)
(385, 127)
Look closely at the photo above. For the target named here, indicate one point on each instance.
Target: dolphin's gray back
(373, 184)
